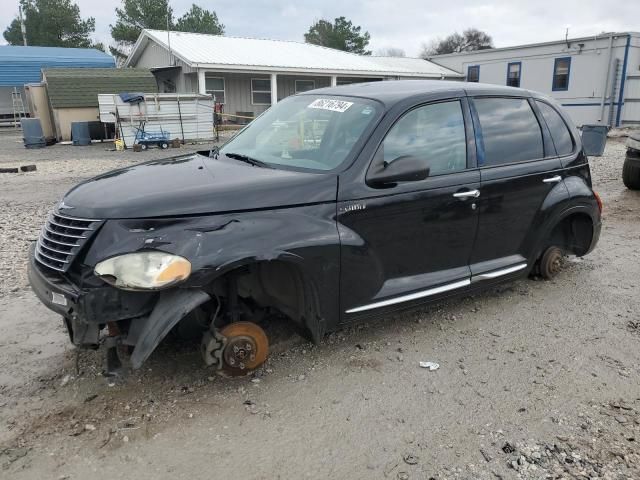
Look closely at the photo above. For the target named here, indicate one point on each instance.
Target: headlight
(143, 270)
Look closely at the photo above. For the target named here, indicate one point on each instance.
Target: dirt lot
(536, 379)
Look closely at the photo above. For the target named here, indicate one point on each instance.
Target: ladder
(18, 107)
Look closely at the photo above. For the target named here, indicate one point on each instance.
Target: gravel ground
(536, 379)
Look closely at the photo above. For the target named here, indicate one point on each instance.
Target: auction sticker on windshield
(327, 104)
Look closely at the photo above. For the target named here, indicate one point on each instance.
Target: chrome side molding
(498, 273)
(412, 296)
(441, 289)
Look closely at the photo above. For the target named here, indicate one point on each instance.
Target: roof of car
(392, 91)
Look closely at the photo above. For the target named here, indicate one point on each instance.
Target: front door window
(434, 134)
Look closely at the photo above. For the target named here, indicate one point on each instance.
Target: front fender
(304, 236)
(172, 307)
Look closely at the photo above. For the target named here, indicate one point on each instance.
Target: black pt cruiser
(334, 205)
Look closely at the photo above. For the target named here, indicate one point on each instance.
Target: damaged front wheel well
(275, 285)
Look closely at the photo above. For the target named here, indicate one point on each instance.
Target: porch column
(334, 80)
(202, 85)
(274, 89)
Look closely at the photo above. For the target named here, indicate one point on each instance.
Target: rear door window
(510, 131)
(433, 133)
(560, 134)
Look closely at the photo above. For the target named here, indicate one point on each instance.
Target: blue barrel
(594, 139)
(32, 133)
(80, 133)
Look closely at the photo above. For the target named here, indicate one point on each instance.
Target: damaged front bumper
(147, 316)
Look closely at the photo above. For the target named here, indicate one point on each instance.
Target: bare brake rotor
(551, 262)
(237, 349)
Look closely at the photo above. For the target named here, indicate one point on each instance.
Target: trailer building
(597, 79)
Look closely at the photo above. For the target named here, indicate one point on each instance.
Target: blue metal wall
(20, 65)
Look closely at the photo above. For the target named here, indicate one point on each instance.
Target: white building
(597, 79)
(247, 75)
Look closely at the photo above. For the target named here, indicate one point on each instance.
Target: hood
(192, 185)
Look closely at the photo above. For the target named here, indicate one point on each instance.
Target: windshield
(307, 131)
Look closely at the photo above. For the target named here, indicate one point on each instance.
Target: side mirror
(594, 139)
(406, 168)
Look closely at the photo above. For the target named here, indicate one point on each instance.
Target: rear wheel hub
(551, 262)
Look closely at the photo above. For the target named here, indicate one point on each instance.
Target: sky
(405, 24)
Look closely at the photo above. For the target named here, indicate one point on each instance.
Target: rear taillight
(599, 200)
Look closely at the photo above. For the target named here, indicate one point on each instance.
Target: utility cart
(144, 138)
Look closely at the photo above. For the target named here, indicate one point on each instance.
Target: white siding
(287, 84)
(190, 83)
(237, 92)
(631, 109)
(153, 56)
(587, 75)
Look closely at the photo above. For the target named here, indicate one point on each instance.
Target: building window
(305, 85)
(473, 73)
(561, 72)
(214, 86)
(513, 74)
(261, 91)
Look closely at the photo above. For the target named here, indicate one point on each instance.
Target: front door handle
(467, 194)
(555, 179)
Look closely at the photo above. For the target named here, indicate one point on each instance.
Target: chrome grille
(62, 238)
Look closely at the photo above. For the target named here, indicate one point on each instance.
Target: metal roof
(20, 65)
(237, 53)
(79, 87)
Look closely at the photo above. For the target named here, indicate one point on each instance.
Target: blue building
(21, 65)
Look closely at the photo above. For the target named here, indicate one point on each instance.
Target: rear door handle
(467, 194)
(555, 179)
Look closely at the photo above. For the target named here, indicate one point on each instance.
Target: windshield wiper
(248, 159)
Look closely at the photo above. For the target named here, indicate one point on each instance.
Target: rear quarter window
(560, 134)
(510, 131)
